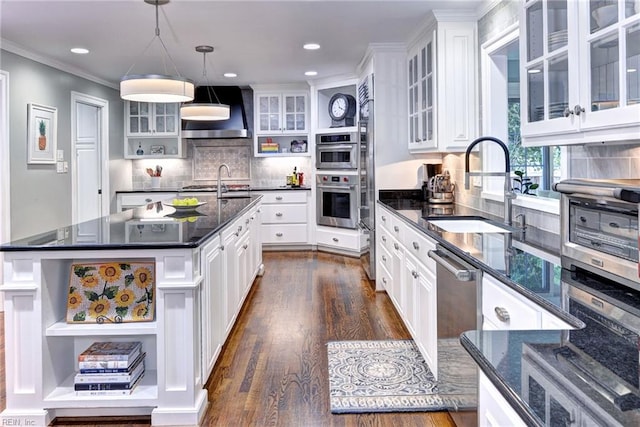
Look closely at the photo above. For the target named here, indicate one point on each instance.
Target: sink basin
(467, 226)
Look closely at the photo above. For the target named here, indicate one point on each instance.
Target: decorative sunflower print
(111, 292)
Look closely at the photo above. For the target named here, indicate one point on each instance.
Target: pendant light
(156, 87)
(205, 111)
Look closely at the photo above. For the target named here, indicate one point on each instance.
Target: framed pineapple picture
(42, 122)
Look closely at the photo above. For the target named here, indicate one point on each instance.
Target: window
(539, 167)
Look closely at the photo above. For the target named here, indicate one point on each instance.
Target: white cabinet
(580, 62)
(285, 216)
(321, 95)
(339, 240)
(505, 309)
(493, 409)
(152, 130)
(282, 123)
(213, 299)
(442, 84)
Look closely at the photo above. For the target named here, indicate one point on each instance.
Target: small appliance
(337, 151)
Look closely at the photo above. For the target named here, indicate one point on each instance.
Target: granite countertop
(152, 226)
(523, 365)
(212, 188)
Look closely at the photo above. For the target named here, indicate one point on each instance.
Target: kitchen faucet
(509, 194)
(219, 187)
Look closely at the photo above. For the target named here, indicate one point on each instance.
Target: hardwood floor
(273, 370)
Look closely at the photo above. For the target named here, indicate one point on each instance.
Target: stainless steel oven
(599, 227)
(338, 151)
(337, 200)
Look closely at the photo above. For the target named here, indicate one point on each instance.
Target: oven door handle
(337, 187)
(335, 147)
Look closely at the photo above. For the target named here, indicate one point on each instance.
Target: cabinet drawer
(339, 239)
(498, 301)
(419, 246)
(384, 258)
(384, 219)
(384, 278)
(291, 196)
(277, 214)
(284, 233)
(384, 239)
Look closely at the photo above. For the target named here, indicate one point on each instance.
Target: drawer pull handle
(384, 258)
(396, 228)
(147, 200)
(278, 214)
(414, 274)
(279, 198)
(614, 225)
(416, 246)
(278, 234)
(335, 239)
(384, 239)
(396, 246)
(583, 219)
(502, 313)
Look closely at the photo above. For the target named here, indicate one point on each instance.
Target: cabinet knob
(384, 238)
(416, 246)
(335, 239)
(278, 234)
(577, 110)
(384, 280)
(396, 246)
(396, 228)
(414, 274)
(384, 258)
(278, 214)
(384, 218)
(245, 246)
(246, 221)
(147, 200)
(502, 314)
(278, 197)
(567, 112)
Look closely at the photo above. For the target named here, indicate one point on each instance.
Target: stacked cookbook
(109, 369)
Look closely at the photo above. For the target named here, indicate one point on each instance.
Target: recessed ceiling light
(311, 46)
(230, 75)
(310, 73)
(80, 50)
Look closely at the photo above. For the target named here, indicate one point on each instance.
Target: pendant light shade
(205, 111)
(156, 87)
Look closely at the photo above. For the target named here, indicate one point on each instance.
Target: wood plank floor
(273, 370)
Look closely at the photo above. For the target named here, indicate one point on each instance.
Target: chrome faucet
(509, 194)
(220, 185)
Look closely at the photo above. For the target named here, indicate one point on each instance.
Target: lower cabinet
(504, 309)
(493, 409)
(285, 217)
(213, 326)
(339, 239)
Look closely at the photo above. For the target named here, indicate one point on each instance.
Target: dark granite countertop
(152, 226)
(524, 365)
(212, 189)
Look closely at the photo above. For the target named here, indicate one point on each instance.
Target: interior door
(87, 167)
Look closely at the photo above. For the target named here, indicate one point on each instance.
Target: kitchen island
(204, 260)
(530, 368)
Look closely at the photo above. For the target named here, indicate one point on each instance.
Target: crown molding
(486, 6)
(12, 47)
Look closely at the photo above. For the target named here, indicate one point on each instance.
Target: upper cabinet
(282, 122)
(278, 113)
(579, 80)
(152, 130)
(442, 84)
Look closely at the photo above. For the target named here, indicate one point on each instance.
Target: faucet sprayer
(509, 195)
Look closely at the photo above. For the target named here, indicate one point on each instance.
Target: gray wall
(40, 197)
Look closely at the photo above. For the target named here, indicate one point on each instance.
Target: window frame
(494, 93)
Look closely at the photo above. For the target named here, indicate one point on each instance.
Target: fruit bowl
(184, 208)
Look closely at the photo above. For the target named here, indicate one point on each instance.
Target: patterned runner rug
(392, 376)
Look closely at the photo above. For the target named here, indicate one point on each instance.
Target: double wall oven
(337, 157)
(593, 376)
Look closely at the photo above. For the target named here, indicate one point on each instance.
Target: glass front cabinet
(579, 79)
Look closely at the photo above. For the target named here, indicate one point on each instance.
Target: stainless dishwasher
(458, 290)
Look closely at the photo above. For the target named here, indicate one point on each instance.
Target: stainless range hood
(238, 125)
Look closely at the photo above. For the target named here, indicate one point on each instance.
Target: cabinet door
(493, 409)
(505, 309)
(295, 113)
(549, 81)
(139, 118)
(426, 317)
(610, 54)
(421, 96)
(269, 110)
(213, 314)
(165, 119)
(408, 291)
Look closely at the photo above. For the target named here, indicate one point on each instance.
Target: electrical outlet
(60, 167)
(60, 155)
(476, 181)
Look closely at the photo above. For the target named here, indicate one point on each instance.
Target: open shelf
(63, 329)
(145, 394)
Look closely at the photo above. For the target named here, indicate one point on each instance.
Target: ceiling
(260, 40)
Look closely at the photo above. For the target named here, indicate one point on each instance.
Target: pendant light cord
(206, 79)
(166, 51)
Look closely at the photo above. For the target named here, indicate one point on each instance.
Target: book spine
(109, 392)
(108, 378)
(104, 386)
(103, 364)
(110, 357)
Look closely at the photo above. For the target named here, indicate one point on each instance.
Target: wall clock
(342, 110)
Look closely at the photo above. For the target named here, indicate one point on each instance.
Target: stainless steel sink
(468, 225)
